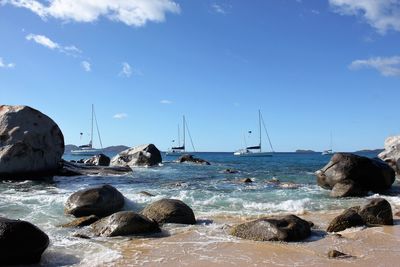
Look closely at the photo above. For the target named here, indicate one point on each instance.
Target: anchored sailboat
(88, 149)
(180, 149)
(329, 151)
(251, 151)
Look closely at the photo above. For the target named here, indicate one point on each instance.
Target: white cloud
(315, 12)
(120, 116)
(45, 41)
(166, 102)
(387, 66)
(6, 65)
(126, 70)
(86, 66)
(131, 12)
(383, 15)
(218, 8)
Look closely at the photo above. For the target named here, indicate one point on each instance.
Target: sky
(313, 67)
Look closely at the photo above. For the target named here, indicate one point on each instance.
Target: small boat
(180, 149)
(88, 149)
(251, 151)
(328, 151)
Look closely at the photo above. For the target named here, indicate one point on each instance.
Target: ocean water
(207, 189)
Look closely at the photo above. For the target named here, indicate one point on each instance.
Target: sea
(284, 183)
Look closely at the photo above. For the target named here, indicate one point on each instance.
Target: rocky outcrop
(191, 159)
(125, 223)
(100, 201)
(82, 221)
(21, 242)
(73, 169)
(143, 155)
(276, 228)
(98, 160)
(376, 211)
(351, 175)
(170, 211)
(31, 144)
(391, 154)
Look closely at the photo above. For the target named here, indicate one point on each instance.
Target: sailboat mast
(184, 132)
(91, 131)
(259, 126)
(331, 142)
(179, 136)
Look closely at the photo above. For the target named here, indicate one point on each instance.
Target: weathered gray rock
(351, 175)
(275, 228)
(143, 155)
(391, 154)
(125, 223)
(349, 218)
(377, 211)
(191, 159)
(21, 242)
(334, 254)
(170, 211)
(31, 144)
(82, 221)
(100, 201)
(98, 160)
(74, 169)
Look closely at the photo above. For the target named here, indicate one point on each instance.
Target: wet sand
(210, 245)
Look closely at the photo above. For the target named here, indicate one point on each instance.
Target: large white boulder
(31, 144)
(391, 154)
(143, 155)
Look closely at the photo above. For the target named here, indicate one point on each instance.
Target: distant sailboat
(180, 150)
(249, 151)
(329, 151)
(88, 150)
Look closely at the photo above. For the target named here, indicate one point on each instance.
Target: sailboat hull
(253, 154)
(87, 152)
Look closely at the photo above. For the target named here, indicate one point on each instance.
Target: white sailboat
(88, 149)
(328, 151)
(180, 149)
(251, 151)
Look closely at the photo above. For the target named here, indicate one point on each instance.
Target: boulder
(247, 180)
(125, 223)
(31, 144)
(82, 221)
(191, 159)
(377, 211)
(170, 211)
(100, 201)
(98, 160)
(337, 254)
(391, 154)
(231, 171)
(349, 218)
(275, 228)
(21, 242)
(351, 175)
(143, 155)
(74, 169)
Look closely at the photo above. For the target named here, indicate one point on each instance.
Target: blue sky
(311, 66)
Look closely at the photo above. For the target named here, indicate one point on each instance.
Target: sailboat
(180, 149)
(329, 151)
(251, 151)
(88, 149)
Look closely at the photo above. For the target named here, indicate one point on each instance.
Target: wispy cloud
(45, 41)
(5, 65)
(382, 15)
(126, 70)
(133, 13)
(315, 12)
(86, 66)
(218, 8)
(166, 102)
(120, 116)
(387, 66)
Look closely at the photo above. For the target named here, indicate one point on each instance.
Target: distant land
(110, 149)
(377, 151)
(304, 151)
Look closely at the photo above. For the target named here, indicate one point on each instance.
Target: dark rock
(276, 228)
(79, 235)
(230, 171)
(125, 223)
(72, 169)
(145, 193)
(349, 218)
(170, 211)
(100, 201)
(191, 159)
(351, 175)
(83, 221)
(31, 144)
(247, 180)
(337, 254)
(21, 242)
(377, 211)
(98, 160)
(143, 155)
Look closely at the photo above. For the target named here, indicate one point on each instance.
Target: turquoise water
(207, 189)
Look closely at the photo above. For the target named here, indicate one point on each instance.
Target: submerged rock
(170, 211)
(82, 221)
(351, 175)
(190, 158)
(247, 180)
(21, 242)
(377, 211)
(31, 144)
(143, 155)
(349, 218)
(275, 228)
(337, 254)
(98, 160)
(145, 193)
(72, 169)
(125, 223)
(100, 201)
(231, 171)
